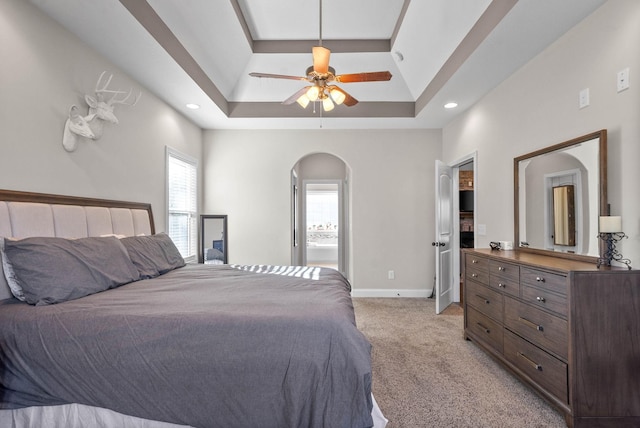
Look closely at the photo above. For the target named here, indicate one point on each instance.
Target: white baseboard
(375, 292)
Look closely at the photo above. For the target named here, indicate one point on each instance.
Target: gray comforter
(203, 345)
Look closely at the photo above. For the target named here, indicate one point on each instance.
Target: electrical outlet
(391, 275)
(584, 98)
(623, 79)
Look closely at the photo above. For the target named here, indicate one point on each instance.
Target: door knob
(438, 244)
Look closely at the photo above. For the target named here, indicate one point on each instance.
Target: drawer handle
(500, 268)
(474, 275)
(474, 261)
(530, 361)
(487, 301)
(531, 324)
(501, 285)
(541, 299)
(539, 279)
(486, 330)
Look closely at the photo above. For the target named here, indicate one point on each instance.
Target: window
(182, 203)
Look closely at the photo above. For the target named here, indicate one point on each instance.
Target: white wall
(45, 69)
(247, 176)
(538, 107)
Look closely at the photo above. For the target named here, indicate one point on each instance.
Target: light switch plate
(584, 98)
(623, 79)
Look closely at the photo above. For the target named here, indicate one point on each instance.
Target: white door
(444, 236)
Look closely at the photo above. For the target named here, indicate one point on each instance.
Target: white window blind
(182, 200)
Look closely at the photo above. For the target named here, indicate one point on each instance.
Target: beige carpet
(426, 375)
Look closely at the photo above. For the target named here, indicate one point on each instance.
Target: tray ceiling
(202, 51)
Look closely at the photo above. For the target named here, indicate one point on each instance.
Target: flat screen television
(466, 200)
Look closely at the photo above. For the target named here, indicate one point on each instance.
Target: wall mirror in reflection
(564, 225)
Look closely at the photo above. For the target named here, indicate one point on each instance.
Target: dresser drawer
(485, 300)
(539, 327)
(505, 270)
(545, 280)
(544, 369)
(478, 275)
(476, 263)
(505, 284)
(545, 299)
(485, 328)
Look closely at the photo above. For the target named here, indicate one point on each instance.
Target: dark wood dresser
(569, 330)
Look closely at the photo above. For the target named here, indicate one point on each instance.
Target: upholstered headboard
(26, 214)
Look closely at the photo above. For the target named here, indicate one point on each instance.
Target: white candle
(610, 224)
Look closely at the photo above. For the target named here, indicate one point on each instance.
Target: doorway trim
(472, 157)
(300, 173)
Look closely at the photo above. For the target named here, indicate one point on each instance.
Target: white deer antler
(102, 105)
(114, 99)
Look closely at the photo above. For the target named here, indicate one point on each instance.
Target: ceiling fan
(321, 75)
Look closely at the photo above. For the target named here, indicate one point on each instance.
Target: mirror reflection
(560, 194)
(213, 239)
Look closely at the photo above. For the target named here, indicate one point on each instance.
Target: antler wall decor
(100, 111)
(76, 126)
(103, 103)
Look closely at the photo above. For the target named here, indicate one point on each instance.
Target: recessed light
(451, 105)
(193, 106)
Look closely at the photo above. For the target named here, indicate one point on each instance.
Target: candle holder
(611, 253)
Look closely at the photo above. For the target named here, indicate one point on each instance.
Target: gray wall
(247, 176)
(538, 107)
(45, 69)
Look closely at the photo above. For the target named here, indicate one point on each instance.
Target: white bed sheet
(81, 416)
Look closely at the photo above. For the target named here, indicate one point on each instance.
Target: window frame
(192, 238)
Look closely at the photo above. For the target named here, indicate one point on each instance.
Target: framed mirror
(559, 194)
(213, 239)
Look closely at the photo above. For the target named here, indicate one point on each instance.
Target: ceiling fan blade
(277, 76)
(321, 59)
(349, 101)
(293, 98)
(375, 76)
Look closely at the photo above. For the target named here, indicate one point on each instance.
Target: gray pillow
(53, 270)
(8, 287)
(153, 255)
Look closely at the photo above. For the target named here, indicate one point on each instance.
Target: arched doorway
(320, 211)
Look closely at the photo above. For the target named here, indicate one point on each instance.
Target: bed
(137, 338)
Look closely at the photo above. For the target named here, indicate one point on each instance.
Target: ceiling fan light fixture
(327, 104)
(303, 101)
(313, 92)
(337, 95)
(320, 75)
(320, 59)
